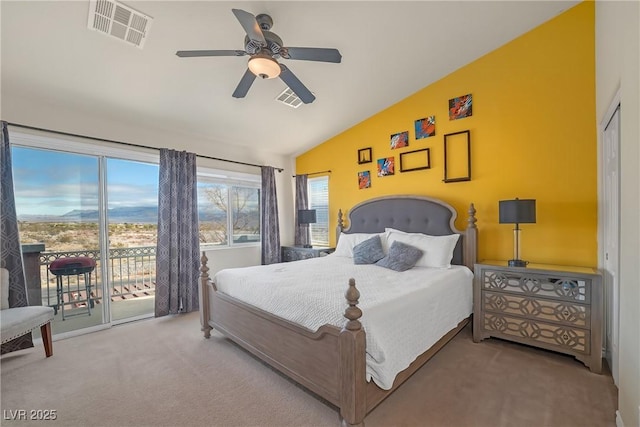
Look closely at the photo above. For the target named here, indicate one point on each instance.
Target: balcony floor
(78, 318)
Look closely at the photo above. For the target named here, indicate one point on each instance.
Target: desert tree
(243, 212)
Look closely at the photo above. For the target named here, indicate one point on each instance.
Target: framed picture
(364, 180)
(364, 155)
(386, 166)
(425, 127)
(399, 140)
(457, 156)
(415, 160)
(460, 107)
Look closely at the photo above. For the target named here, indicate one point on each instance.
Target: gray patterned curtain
(302, 202)
(177, 256)
(269, 221)
(10, 249)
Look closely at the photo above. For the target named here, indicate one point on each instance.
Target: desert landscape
(70, 236)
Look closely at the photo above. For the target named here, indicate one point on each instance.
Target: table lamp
(518, 211)
(306, 217)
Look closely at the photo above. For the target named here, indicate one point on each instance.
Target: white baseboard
(619, 422)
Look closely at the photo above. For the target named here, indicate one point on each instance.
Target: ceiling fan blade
(194, 53)
(312, 54)
(296, 85)
(245, 84)
(250, 25)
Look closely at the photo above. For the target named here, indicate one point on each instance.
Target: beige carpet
(162, 372)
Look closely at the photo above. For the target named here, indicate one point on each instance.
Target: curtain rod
(312, 173)
(129, 144)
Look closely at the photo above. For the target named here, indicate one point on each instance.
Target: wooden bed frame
(331, 361)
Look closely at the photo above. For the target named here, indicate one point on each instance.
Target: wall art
(399, 140)
(460, 107)
(457, 156)
(386, 166)
(425, 127)
(364, 180)
(415, 160)
(364, 155)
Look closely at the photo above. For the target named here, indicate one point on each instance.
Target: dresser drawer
(564, 312)
(536, 284)
(292, 255)
(554, 307)
(297, 253)
(547, 335)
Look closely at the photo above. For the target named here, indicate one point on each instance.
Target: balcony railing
(131, 271)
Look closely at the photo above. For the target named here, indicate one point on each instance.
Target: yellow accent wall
(533, 135)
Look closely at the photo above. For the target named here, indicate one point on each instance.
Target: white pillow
(438, 250)
(346, 242)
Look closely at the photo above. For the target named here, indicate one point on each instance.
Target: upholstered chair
(18, 321)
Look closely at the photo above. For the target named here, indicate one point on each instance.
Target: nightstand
(553, 307)
(296, 253)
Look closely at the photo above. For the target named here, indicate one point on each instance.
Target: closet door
(611, 236)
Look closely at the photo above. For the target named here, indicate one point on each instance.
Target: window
(229, 209)
(319, 200)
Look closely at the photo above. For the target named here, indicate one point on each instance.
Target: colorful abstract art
(425, 127)
(460, 107)
(386, 166)
(364, 180)
(399, 140)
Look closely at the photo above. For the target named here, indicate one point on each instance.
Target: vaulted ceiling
(390, 49)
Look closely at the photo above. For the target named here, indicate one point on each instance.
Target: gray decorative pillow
(401, 257)
(369, 251)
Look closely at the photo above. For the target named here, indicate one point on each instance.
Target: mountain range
(134, 214)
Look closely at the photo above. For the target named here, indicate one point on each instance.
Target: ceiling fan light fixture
(264, 66)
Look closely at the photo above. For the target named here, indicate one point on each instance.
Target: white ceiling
(389, 51)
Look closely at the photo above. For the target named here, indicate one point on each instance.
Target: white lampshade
(264, 66)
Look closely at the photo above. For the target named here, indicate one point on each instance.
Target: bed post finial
(340, 226)
(353, 313)
(203, 288)
(471, 239)
(204, 270)
(471, 221)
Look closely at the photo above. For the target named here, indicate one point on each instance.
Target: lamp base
(517, 263)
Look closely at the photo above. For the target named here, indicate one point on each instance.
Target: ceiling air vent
(117, 20)
(288, 97)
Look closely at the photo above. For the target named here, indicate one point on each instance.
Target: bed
(333, 360)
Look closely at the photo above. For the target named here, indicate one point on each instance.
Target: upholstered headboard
(413, 214)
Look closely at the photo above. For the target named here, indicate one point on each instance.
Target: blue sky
(54, 183)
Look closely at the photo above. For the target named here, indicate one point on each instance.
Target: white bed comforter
(404, 313)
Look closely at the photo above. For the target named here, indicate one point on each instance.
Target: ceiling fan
(264, 48)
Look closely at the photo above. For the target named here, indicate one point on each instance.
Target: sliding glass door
(132, 194)
(76, 206)
(57, 203)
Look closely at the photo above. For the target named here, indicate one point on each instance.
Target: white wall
(39, 113)
(618, 66)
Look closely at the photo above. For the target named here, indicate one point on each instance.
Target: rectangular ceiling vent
(288, 97)
(117, 20)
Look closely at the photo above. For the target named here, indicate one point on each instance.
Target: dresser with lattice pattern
(557, 308)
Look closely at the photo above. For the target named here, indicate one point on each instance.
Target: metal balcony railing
(131, 271)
